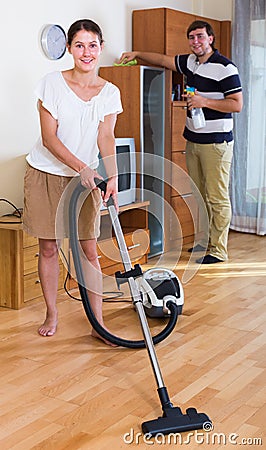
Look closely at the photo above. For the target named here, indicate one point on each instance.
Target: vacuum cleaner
(159, 286)
(141, 287)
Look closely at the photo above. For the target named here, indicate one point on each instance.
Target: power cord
(109, 296)
(16, 213)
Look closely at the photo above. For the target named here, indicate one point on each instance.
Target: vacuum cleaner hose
(74, 245)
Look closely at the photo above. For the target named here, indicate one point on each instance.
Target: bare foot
(98, 336)
(48, 328)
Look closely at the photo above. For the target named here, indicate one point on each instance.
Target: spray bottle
(197, 114)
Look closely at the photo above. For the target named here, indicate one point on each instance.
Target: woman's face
(85, 49)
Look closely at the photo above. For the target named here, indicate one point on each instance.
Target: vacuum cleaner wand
(173, 420)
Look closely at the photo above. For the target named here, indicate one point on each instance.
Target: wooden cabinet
(164, 30)
(160, 30)
(128, 80)
(136, 85)
(19, 279)
(143, 118)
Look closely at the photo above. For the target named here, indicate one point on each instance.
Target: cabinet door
(31, 257)
(11, 263)
(148, 31)
(185, 211)
(180, 178)
(137, 244)
(127, 79)
(178, 121)
(176, 25)
(225, 40)
(32, 285)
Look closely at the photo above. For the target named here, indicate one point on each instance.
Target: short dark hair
(83, 24)
(202, 24)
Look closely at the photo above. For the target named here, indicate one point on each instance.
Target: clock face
(53, 41)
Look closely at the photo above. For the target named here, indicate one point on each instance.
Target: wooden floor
(73, 392)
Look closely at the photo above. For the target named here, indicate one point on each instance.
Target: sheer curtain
(248, 176)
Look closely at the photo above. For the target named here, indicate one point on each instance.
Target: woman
(78, 111)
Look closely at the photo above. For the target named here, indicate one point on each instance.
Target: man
(209, 150)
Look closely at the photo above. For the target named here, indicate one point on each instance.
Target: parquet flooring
(72, 392)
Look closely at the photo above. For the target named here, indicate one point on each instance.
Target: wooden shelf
(135, 205)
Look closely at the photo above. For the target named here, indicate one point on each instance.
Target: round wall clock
(53, 41)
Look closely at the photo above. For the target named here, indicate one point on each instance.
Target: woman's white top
(78, 122)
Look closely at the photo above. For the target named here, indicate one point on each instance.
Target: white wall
(23, 64)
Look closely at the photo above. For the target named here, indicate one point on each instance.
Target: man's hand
(126, 57)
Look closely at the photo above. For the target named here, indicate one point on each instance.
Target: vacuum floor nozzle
(174, 421)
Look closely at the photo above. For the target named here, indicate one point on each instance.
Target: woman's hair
(84, 24)
(202, 24)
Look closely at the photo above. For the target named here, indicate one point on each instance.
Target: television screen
(126, 164)
(123, 162)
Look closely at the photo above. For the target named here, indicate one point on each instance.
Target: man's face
(200, 42)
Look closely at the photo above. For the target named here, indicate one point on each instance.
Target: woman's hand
(87, 176)
(111, 190)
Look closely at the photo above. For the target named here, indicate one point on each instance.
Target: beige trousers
(209, 167)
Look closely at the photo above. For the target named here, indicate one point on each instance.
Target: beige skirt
(46, 200)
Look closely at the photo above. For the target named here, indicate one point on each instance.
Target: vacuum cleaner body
(158, 286)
